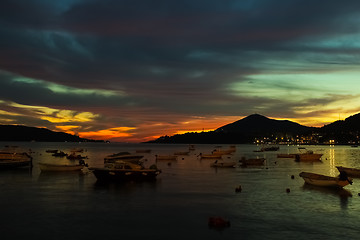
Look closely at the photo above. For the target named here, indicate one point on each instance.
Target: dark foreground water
(187, 192)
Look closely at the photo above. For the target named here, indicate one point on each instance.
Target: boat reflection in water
(342, 193)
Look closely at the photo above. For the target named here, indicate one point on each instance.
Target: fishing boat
(12, 157)
(351, 172)
(268, 148)
(309, 156)
(223, 164)
(49, 167)
(74, 156)
(210, 156)
(326, 181)
(122, 156)
(59, 154)
(165, 157)
(220, 151)
(251, 162)
(125, 171)
(51, 150)
(182, 153)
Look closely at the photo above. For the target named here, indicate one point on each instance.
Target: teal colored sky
(135, 70)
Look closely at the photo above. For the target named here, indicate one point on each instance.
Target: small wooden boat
(52, 151)
(210, 156)
(59, 154)
(165, 157)
(351, 172)
(268, 148)
(11, 157)
(60, 167)
(223, 164)
(122, 156)
(309, 156)
(220, 151)
(182, 153)
(325, 181)
(125, 171)
(252, 162)
(80, 150)
(191, 147)
(74, 156)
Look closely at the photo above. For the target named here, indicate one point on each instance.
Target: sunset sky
(134, 70)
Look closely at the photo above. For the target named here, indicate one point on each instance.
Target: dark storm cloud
(171, 56)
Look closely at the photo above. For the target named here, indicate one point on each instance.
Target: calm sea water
(187, 192)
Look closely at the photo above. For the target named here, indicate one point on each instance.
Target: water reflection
(125, 186)
(342, 193)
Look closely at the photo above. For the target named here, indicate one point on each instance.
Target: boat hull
(223, 164)
(305, 157)
(166, 157)
(351, 172)
(14, 160)
(324, 181)
(252, 162)
(6, 164)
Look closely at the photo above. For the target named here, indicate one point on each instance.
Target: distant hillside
(23, 133)
(351, 123)
(343, 131)
(241, 131)
(257, 124)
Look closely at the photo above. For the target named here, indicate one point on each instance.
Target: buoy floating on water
(288, 190)
(292, 176)
(238, 188)
(218, 222)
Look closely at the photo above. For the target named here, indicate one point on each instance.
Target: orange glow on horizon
(119, 132)
(148, 132)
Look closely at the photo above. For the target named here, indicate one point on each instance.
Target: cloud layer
(140, 69)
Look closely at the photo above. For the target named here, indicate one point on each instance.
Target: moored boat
(166, 157)
(351, 172)
(326, 181)
(309, 156)
(12, 157)
(252, 162)
(74, 156)
(122, 156)
(59, 154)
(191, 147)
(220, 151)
(268, 148)
(223, 164)
(182, 153)
(125, 171)
(52, 151)
(210, 156)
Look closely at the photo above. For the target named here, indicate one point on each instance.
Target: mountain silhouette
(258, 124)
(23, 133)
(242, 131)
